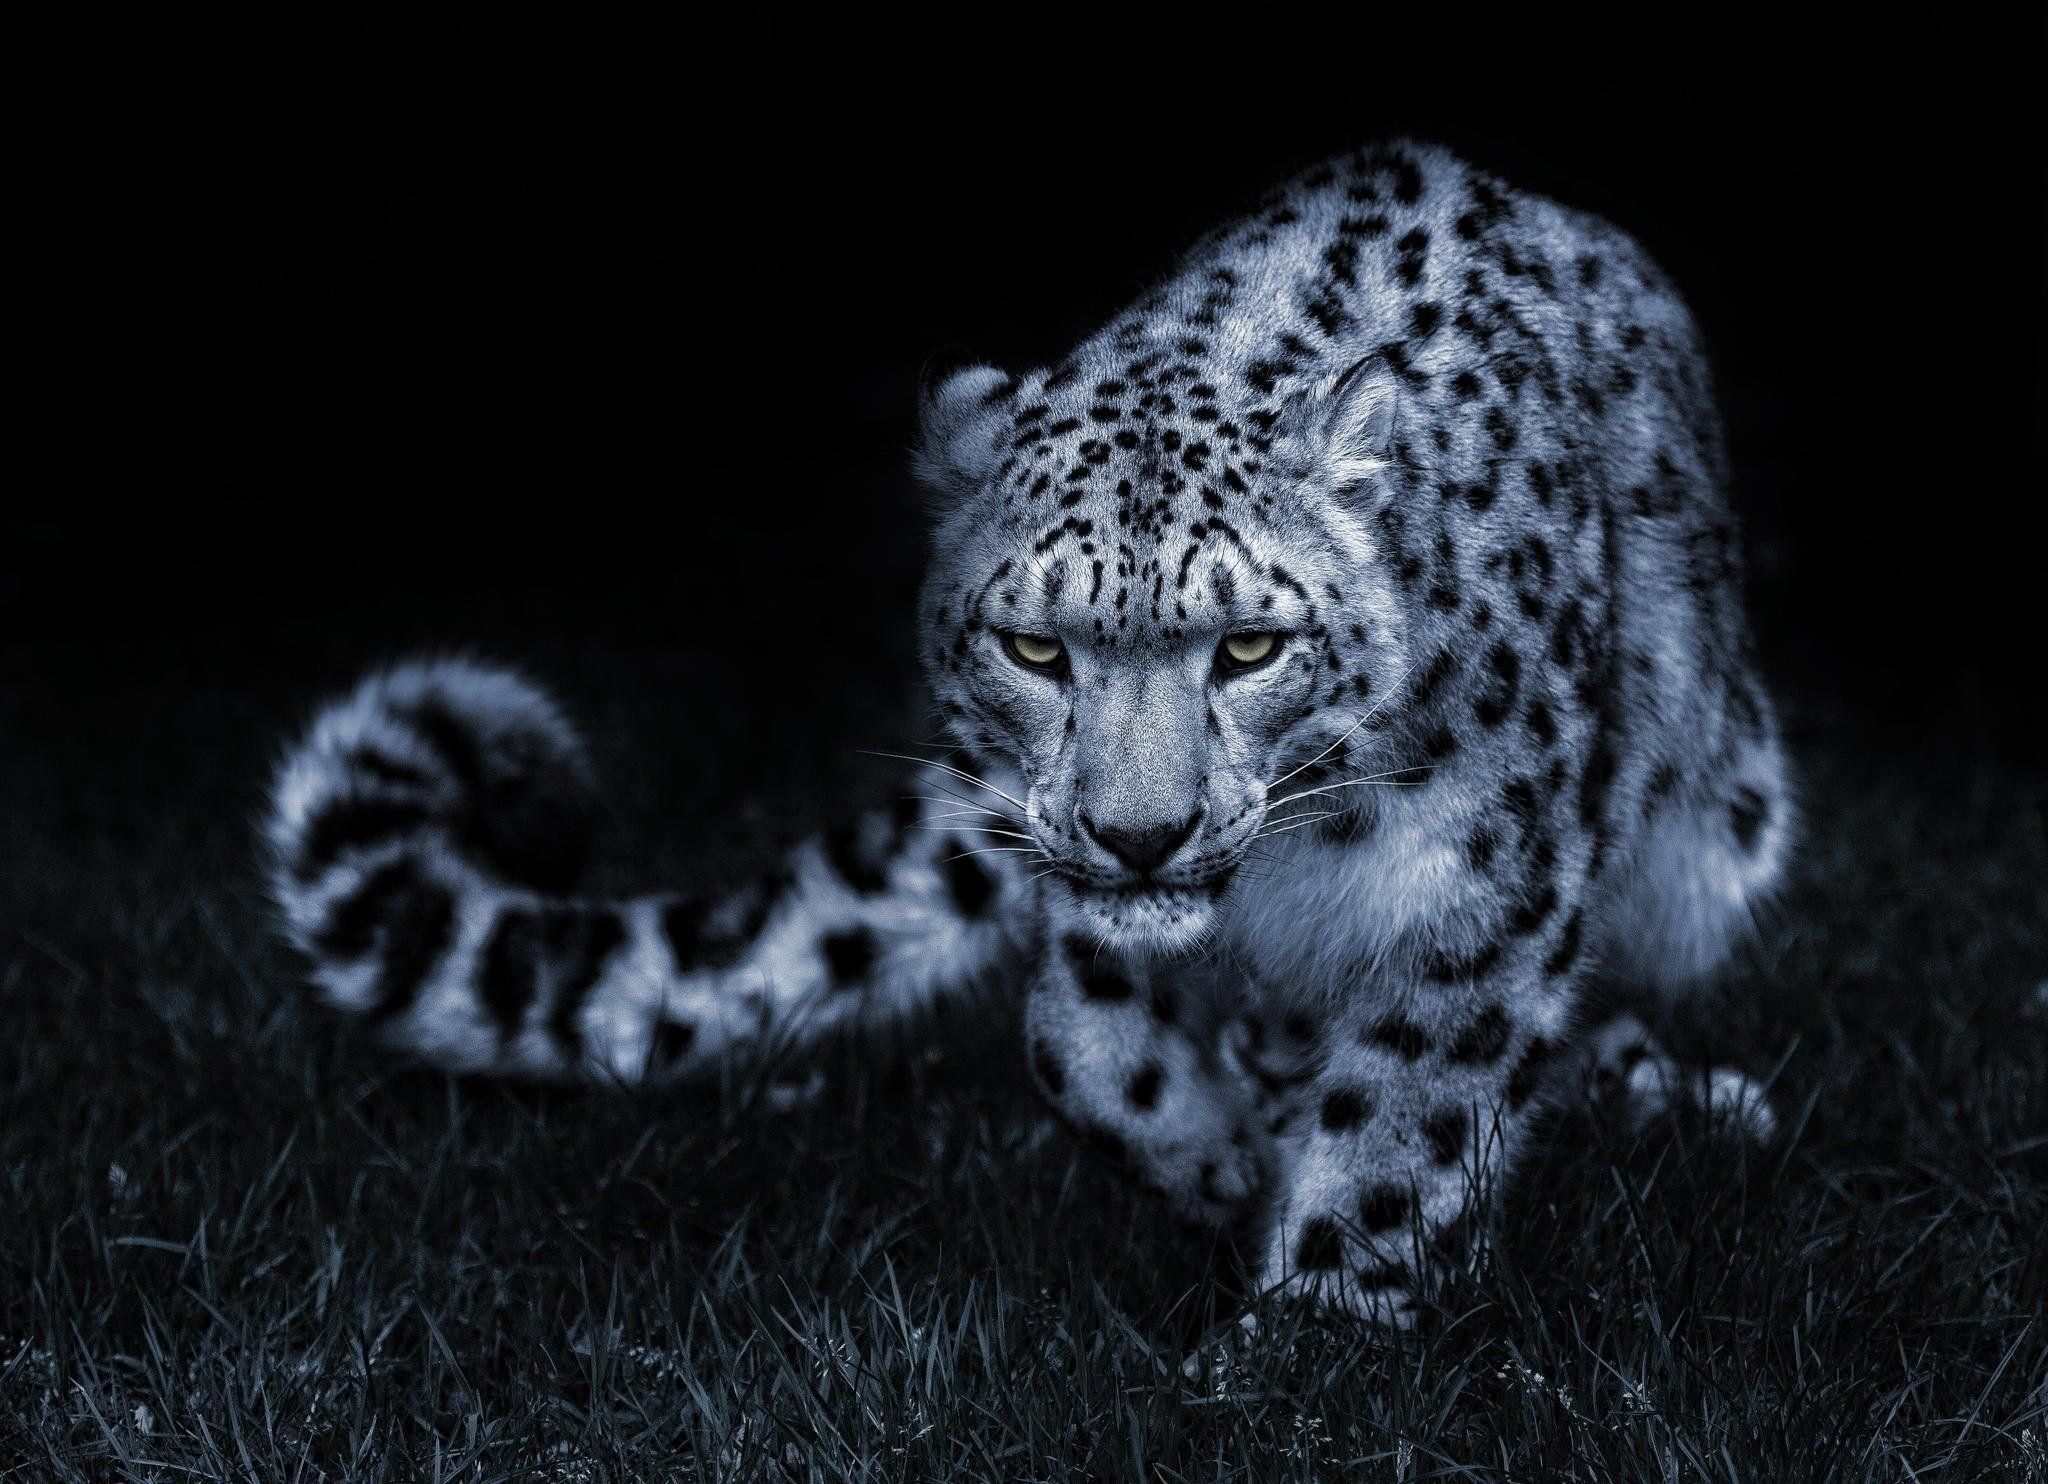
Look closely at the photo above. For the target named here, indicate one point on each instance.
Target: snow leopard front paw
(1190, 1134)
(1210, 1169)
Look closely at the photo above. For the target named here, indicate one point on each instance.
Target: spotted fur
(1305, 937)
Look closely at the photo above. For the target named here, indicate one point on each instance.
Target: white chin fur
(1163, 921)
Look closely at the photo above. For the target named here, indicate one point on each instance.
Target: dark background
(336, 330)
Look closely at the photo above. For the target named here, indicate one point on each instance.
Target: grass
(238, 1243)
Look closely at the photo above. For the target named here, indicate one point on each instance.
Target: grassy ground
(238, 1243)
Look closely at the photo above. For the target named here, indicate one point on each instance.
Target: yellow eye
(1038, 651)
(1244, 651)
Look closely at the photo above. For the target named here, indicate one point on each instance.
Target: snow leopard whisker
(993, 850)
(974, 829)
(956, 821)
(1377, 780)
(969, 811)
(963, 821)
(1370, 712)
(949, 792)
(961, 773)
(1297, 824)
(1310, 763)
(961, 804)
(964, 809)
(1278, 819)
(1317, 788)
(1294, 823)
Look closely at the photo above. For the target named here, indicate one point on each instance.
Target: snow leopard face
(1154, 657)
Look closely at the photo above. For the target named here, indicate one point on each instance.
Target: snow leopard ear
(1355, 424)
(960, 409)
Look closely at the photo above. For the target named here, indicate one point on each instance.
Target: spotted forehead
(1143, 438)
(1142, 481)
(1161, 587)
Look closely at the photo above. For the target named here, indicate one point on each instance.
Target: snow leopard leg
(423, 835)
(1711, 849)
(1423, 1096)
(1109, 1049)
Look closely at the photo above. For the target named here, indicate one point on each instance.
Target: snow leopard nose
(1145, 845)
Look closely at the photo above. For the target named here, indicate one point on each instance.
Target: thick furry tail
(424, 834)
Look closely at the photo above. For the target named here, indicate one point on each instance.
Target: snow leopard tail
(425, 835)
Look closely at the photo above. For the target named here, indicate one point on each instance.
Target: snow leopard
(1343, 668)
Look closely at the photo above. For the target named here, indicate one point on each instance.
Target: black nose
(1145, 846)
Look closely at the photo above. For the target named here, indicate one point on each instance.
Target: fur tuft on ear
(1355, 439)
(959, 414)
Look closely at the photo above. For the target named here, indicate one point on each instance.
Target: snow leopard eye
(1036, 652)
(1241, 652)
